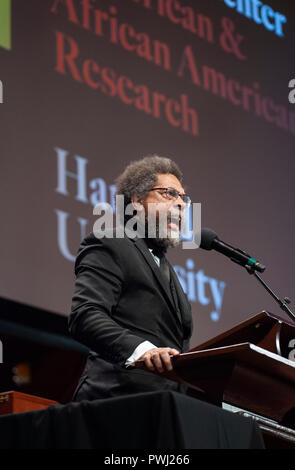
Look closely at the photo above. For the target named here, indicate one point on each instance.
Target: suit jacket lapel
(185, 309)
(142, 247)
(184, 305)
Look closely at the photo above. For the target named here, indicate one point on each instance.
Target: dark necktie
(164, 267)
(165, 270)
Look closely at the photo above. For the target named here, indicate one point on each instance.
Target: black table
(155, 420)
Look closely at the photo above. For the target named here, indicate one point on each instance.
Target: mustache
(161, 218)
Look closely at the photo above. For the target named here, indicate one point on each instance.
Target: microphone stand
(282, 303)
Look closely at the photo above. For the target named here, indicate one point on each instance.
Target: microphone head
(207, 238)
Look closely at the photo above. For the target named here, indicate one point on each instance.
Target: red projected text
(105, 79)
(107, 24)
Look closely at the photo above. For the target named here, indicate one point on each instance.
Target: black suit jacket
(121, 300)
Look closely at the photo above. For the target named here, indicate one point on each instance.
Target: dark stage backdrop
(88, 86)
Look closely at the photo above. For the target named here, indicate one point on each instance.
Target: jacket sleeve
(99, 282)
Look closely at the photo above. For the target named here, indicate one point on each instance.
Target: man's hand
(158, 359)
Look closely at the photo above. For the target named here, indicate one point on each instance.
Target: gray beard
(160, 242)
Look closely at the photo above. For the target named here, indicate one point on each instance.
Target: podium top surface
(190, 365)
(253, 330)
(247, 353)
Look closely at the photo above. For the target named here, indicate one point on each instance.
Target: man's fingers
(156, 359)
(162, 360)
(174, 352)
(149, 363)
(165, 356)
(159, 359)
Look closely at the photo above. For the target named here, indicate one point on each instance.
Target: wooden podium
(246, 367)
(17, 402)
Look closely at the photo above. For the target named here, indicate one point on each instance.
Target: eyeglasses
(173, 194)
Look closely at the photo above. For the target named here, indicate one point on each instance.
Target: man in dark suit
(128, 304)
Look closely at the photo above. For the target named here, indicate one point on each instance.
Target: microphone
(210, 241)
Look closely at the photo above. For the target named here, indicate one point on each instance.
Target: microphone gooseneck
(210, 241)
